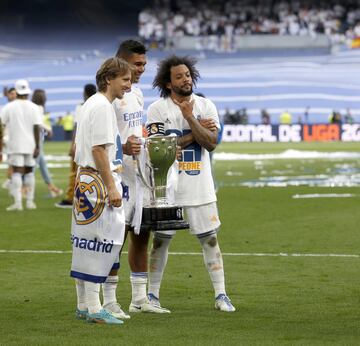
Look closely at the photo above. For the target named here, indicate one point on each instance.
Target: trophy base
(163, 219)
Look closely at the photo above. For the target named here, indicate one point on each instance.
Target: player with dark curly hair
(195, 121)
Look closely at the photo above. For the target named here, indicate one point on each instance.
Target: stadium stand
(165, 22)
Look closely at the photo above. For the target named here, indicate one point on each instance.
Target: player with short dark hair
(129, 113)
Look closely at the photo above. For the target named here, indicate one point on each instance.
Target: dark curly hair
(162, 77)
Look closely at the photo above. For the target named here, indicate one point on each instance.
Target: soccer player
(181, 112)
(22, 119)
(129, 113)
(98, 222)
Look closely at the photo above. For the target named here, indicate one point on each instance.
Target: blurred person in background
(39, 98)
(349, 119)
(265, 117)
(285, 118)
(335, 117)
(244, 118)
(67, 202)
(10, 94)
(22, 119)
(306, 115)
(67, 122)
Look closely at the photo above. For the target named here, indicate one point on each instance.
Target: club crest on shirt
(89, 197)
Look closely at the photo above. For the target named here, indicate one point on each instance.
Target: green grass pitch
(280, 300)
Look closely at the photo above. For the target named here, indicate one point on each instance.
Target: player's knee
(139, 241)
(212, 241)
(157, 242)
(114, 272)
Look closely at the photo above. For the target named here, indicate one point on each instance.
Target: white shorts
(21, 160)
(129, 200)
(202, 219)
(97, 231)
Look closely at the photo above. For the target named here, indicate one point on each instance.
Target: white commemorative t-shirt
(129, 115)
(19, 117)
(195, 185)
(97, 126)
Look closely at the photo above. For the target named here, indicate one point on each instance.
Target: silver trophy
(158, 214)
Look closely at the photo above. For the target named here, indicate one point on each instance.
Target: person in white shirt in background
(22, 119)
(67, 202)
(39, 98)
(10, 94)
(195, 121)
(98, 221)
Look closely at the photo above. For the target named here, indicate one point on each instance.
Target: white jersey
(77, 113)
(44, 127)
(19, 117)
(129, 115)
(195, 185)
(97, 126)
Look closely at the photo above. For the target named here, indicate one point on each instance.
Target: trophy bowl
(159, 214)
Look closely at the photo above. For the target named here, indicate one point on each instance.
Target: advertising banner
(292, 133)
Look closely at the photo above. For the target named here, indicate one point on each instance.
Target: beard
(182, 92)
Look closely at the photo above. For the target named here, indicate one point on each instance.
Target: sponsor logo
(89, 197)
(134, 119)
(190, 162)
(214, 218)
(92, 244)
(189, 166)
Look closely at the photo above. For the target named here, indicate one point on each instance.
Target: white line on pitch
(250, 254)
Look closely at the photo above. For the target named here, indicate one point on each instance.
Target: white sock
(16, 184)
(29, 182)
(214, 263)
(80, 292)
(138, 287)
(109, 289)
(157, 263)
(92, 292)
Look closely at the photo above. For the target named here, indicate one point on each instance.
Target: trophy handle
(150, 185)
